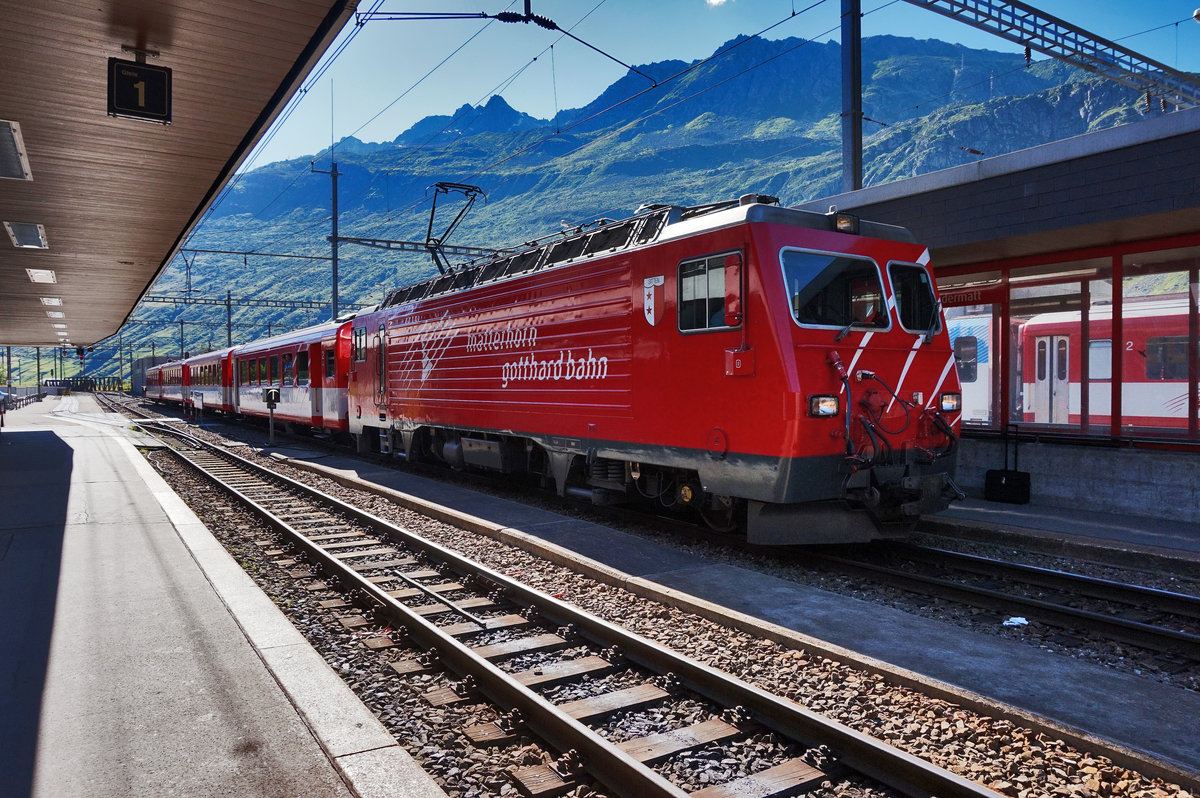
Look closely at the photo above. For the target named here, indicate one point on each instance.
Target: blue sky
(382, 82)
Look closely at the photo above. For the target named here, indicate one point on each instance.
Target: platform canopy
(120, 122)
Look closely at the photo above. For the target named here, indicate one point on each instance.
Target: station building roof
(1110, 188)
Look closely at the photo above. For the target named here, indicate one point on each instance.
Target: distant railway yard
(679, 729)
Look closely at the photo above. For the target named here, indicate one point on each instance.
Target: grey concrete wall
(1117, 480)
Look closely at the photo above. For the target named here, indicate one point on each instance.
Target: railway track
(477, 622)
(1156, 620)
(1159, 620)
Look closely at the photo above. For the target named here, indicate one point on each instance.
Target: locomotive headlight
(950, 402)
(822, 406)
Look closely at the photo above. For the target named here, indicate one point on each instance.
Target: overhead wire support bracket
(290, 304)
(1026, 26)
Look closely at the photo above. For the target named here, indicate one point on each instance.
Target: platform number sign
(139, 91)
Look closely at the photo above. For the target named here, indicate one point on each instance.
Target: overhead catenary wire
(476, 106)
(659, 84)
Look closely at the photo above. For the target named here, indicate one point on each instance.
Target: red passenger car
(1153, 357)
(209, 381)
(741, 359)
(308, 367)
(167, 382)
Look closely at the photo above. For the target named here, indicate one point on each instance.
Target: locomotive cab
(872, 353)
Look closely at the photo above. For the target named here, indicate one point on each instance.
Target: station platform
(1078, 526)
(986, 671)
(137, 658)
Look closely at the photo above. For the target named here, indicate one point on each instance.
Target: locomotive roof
(650, 225)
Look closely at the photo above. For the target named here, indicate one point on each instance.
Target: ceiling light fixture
(14, 164)
(59, 326)
(51, 300)
(56, 314)
(27, 235)
(41, 276)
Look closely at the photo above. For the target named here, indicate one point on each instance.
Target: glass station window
(832, 290)
(1160, 354)
(972, 329)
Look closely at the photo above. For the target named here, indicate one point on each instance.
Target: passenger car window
(830, 290)
(915, 302)
(1100, 359)
(1166, 357)
(359, 344)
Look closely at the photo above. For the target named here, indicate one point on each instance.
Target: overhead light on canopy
(14, 164)
(27, 235)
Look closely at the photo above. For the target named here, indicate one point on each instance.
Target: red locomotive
(755, 363)
(730, 356)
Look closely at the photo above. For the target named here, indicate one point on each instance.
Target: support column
(852, 113)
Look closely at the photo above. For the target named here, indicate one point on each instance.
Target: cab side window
(702, 294)
(915, 303)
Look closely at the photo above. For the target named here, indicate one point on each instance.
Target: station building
(1069, 274)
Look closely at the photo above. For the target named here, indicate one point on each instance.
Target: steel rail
(1133, 632)
(1165, 601)
(612, 767)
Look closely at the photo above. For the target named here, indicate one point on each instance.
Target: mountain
(757, 116)
(496, 116)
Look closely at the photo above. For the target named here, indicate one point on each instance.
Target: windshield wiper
(932, 329)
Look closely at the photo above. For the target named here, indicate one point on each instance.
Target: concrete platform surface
(1168, 536)
(137, 658)
(1129, 710)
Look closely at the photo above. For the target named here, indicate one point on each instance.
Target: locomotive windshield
(829, 290)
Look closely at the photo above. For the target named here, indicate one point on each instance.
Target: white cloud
(716, 3)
